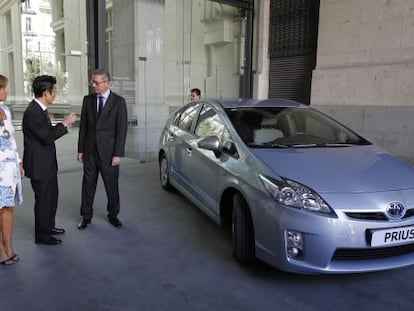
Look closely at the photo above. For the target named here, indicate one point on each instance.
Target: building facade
(157, 50)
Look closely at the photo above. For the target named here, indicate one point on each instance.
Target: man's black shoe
(56, 231)
(114, 221)
(48, 241)
(83, 224)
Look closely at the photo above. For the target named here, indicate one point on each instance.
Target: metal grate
(291, 78)
(376, 215)
(293, 27)
(372, 253)
(292, 48)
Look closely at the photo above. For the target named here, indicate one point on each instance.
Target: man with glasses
(102, 136)
(39, 157)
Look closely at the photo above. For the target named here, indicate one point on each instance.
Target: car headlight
(294, 194)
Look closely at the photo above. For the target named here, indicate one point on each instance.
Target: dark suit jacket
(39, 156)
(108, 132)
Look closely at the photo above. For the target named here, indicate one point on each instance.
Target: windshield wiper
(349, 144)
(306, 145)
(268, 145)
(331, 145)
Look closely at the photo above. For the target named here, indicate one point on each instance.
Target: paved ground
(167, 256)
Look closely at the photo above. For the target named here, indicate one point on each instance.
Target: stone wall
(391, 128)
(365, 69)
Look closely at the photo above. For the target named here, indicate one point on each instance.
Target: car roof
(246, 103)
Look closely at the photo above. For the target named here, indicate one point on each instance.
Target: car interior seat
(267, 132)
(266, 135)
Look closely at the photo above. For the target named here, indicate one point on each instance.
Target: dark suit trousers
(46, 200)
(92, 166)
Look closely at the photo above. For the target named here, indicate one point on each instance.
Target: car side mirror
(210, 143)
(230, 148)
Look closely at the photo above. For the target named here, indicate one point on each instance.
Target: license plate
(401, 235)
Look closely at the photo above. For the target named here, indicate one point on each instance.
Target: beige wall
(365, 69)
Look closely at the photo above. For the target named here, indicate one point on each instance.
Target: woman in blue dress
(11, 171)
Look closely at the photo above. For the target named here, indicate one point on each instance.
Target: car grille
(376, 215)
(372, 253)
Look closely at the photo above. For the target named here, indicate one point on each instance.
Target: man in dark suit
(102, 136)
(39, 157)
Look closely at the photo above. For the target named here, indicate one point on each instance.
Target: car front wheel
(165, 174)
(243, 233)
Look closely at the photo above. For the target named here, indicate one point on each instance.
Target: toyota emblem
(396, 210)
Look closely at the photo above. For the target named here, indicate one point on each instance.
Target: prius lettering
(401, 235)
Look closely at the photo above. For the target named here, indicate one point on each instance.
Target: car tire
(243, 233)
(165, 173)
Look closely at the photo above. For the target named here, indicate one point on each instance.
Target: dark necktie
(46, 113)
(101, 104)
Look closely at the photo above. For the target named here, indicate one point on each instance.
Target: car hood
(353, 169)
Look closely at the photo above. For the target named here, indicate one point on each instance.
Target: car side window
(211, 124)
(184, 119)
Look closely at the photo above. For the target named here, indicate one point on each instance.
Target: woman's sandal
(7, 262)
(15, 257)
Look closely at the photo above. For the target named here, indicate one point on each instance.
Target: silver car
(301, 191)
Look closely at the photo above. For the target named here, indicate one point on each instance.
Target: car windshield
(283, 127)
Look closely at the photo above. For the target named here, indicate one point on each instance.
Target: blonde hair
(3, 81)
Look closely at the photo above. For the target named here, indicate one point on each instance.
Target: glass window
(211, 124)
(204, 44)
(175, 46)
(28, 24)
(27, 4)
(186, 117)
(290, 126)
(43, 45)
(109, 36)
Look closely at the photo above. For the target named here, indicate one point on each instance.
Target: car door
(202, 166)
(180, 136)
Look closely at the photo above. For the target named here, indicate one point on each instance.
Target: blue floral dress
(10, 180)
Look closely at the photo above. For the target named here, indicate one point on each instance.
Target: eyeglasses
(97, 83)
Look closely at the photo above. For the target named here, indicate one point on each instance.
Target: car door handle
(189, 151)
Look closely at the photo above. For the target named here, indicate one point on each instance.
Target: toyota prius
(300, 191)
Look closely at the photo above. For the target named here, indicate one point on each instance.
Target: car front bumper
(340, 244)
